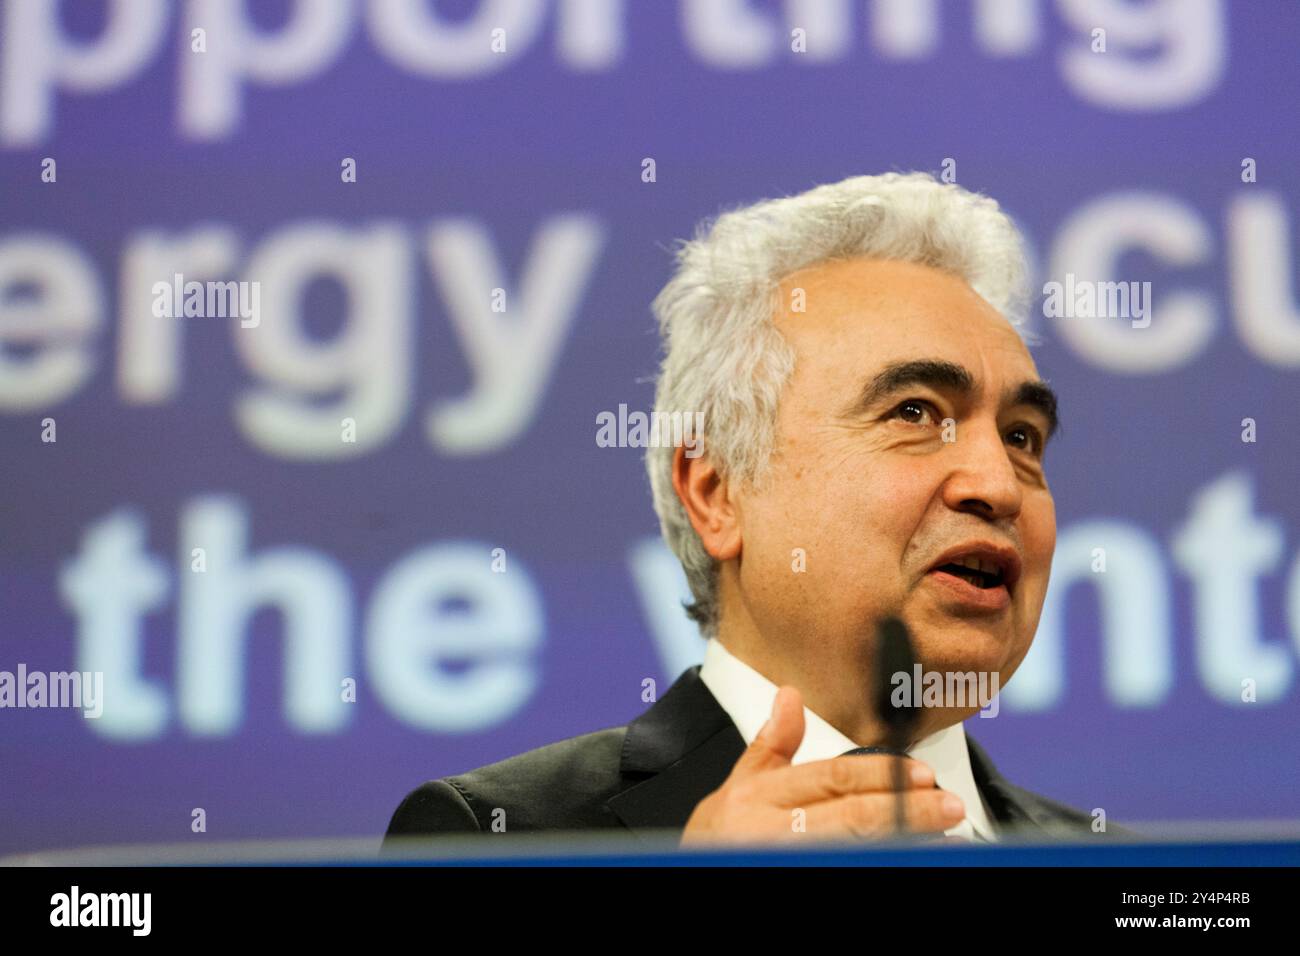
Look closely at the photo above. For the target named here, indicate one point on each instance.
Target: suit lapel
(1012, 806)
(684, 746)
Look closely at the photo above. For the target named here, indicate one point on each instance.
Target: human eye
(1032, 440)
(913, 411)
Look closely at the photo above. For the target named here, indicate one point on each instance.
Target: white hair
(725, 358)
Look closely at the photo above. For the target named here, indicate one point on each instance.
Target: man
(874, 442)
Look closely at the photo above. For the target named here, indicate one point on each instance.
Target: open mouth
(977, 577)
(982, 579)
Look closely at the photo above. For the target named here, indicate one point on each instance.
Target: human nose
(983, 478)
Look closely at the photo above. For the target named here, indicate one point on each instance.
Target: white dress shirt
(747, 697)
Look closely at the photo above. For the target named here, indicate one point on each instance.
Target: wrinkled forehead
(846, 317)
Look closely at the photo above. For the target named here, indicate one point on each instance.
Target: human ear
(710, 504)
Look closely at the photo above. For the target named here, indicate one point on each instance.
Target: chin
(964, 648)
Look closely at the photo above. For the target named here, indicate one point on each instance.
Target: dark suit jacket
(648, 776)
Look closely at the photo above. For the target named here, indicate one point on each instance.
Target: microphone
(894, 655)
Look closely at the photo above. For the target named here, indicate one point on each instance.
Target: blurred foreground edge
(1252, 843)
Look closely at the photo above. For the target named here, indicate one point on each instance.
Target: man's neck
(846, 707)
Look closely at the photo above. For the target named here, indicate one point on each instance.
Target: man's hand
(842, 798)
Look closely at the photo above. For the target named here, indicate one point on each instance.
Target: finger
(871, 815)
(779, 738)
(820, 780)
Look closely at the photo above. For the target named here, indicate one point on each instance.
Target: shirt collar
(747, 697)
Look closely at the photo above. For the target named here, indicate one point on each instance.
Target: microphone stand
(895, 655)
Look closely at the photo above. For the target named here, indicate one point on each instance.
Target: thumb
(780, 737)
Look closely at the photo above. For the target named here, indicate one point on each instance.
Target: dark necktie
(875, 750)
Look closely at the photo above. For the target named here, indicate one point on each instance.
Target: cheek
(1038, 532)
(857, 518)
(775, 520)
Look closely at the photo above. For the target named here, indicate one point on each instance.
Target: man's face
(868, 481)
